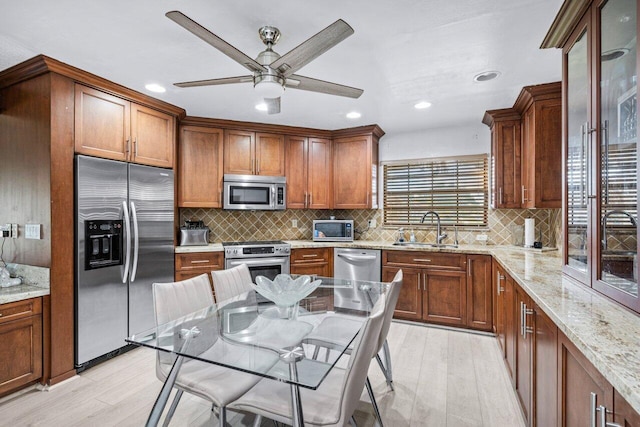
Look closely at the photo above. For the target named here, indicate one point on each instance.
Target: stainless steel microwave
(333, 230)
(254, 192)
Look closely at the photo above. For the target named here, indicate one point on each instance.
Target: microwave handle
(273, 197)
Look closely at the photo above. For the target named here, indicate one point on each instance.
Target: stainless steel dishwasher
(356, 264)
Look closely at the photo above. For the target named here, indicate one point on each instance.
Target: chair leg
(388, 373)
(172, 408)
(315, 352)
(352, 421)
(373, 402)
(257, 421)
(222, 416)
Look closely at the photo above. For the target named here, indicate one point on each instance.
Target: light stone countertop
(35, 283)
(605, 332)
(211, 247)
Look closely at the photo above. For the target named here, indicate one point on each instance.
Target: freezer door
(151, 204)
(100, 294)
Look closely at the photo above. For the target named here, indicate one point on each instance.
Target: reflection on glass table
(247, 334)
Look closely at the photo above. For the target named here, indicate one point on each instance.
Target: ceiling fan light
(269, 89)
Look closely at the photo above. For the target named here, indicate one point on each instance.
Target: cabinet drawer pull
(309, 256)
(469, 267)
(199, 261)
(421, 260)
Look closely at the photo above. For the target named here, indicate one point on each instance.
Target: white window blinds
(455, 187)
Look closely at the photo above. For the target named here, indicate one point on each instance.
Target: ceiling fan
(272, 72)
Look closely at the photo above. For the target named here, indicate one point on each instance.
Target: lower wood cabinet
(448, 289)
(524, 352)
(505, 326)
(20, 344)
(545, 365)
(318, 261)
(193, 264)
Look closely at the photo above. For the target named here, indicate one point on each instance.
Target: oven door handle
(258, 261)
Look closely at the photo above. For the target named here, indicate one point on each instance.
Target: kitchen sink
(423, 245)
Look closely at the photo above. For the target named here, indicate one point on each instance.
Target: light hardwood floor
(441, 377)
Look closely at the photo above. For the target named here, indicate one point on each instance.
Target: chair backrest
(176, 299)
(231, 282)
(390, 306)
(364, 350)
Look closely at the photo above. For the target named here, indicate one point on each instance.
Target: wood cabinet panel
(352, 172)
(506, 145)
(510, 326)
(269, 154)
(102, 124)
(524, 352)
(409, 306)
(425, 259)
(318, 261)
(578, 380)
(296, 171)
(545, 366)
(200, 260)
(200, 167)
(498, 306)
(444, 297)
(239, 152)
(624, 415)
(153, 134)
(479, 292)
(20, 344)
(320, 178)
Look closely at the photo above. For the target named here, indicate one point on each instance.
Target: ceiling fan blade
(296, 81)
(313, 47)
(212, 82)
(273, 105)
(193, 27)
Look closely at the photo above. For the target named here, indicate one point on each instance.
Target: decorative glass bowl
(285, 291)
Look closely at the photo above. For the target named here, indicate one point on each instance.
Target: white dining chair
(323, 336)
(217, 384)
(231, 282)
(335, 400)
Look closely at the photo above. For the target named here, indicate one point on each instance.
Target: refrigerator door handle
(127, 228)
(136, 241)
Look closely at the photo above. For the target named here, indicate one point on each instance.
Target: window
(455, 187)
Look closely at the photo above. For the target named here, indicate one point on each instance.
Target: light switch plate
(32, 231)
(373, 223)
(294, 223)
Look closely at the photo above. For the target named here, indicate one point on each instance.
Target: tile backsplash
(277, 225)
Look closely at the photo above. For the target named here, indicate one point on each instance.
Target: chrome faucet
(604, 224)
(439, 237)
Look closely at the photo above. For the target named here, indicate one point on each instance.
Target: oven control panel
(256, 251)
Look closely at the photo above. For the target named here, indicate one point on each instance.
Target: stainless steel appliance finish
(333, 230)
(194, 233)
(254, 192)
(264, 258)
(114, 300)
(354, 264)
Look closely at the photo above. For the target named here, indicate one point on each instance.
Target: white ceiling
(403, 51)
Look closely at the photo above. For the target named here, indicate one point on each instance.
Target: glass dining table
(252, 335)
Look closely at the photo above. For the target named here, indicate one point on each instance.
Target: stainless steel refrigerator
(124, 244)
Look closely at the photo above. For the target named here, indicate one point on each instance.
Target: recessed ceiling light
(422, 105)
(261, 107)
(154, 87)
(486, 76)
(353, 115)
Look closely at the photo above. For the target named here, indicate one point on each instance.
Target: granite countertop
(35, 283)
(211, 247)
(605, 332)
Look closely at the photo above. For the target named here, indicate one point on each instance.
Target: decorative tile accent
(277, 225)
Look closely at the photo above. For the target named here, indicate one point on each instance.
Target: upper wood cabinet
(355, 168)
(113, 128)
(599, 45)
(308, 172)
(200, 167)
(541, 174)
(251, 153)
(526, 150)
(505, 157)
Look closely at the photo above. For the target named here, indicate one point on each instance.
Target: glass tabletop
(250, 333)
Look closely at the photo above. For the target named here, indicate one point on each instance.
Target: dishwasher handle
(358, 257)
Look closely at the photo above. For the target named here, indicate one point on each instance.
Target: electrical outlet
(482, 237)
(32, 231)
(5, 230)
(14, 231)
(373, 223)
(294, 223)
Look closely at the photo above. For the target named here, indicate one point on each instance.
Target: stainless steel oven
(264, 258)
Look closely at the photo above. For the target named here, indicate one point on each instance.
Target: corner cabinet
(355, 168)
(599, 45)
(20, 344)
(308, 172)
(200, 167)
(114, 128)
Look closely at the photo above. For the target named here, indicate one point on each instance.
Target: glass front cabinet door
(601, 151)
